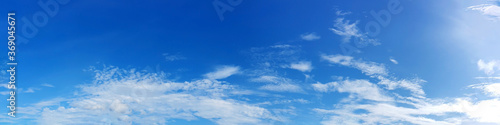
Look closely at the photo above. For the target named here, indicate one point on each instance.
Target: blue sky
(264, 62)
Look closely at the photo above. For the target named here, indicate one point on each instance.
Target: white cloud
(278, 84)
(4, 92)
(282, 46)
(223, 72)
(36, 108)
(414, 85)
(173, 57)
(301, 101)
(271, 79)
(5, 85)
(393, 60)
(489, 10)
(304, 66)
(275, 55)
(493, 89)
(380, 113)
(489, 68)
(346, 29)
(487, 77)
(369, 68)
(127, 97)
(414, 109)
(360, 88)
(342, 13)
(484, 111)
(48, 85)
(310, 36)
(322, 87)
(378, 71)
(29, 90)
(349, 30)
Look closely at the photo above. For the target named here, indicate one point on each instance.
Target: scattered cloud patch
(303, 66)
(121, 96)
(369, 68)
(277, 84)
(414, 85)
(393, 60)
(275, 55)
(490, 67)
(223, 72)
(173, 57)
(346, 29)
(342, 13)
(489, 10)
(310, 36)
(378, 71)
(349, 30)
(29, 90)
(362, 89)
(48, 85)
(493, 89)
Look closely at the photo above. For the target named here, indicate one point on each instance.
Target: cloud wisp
(490, 10)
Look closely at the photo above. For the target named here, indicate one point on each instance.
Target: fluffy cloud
(490, 10)
(489, 68)
(304, 66)
(223, 72)
(493, 89)
(310, 36)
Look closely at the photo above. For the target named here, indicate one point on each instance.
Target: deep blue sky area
(257, 62)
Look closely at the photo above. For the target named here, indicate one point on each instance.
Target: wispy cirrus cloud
(349, 30)
(48, 85)
(278, 84)
(490, 10)
(369, 68)
(173, 57)
(492, 89)
(393, 60)
(342, 13)
(223, 72)
(378, 71)
(362, 89)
